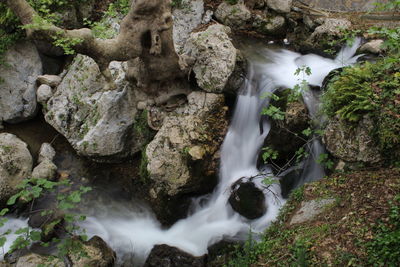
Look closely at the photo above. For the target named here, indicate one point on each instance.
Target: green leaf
(13, 199)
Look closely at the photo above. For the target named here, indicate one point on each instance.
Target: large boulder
(187, 17)
(18, 82)
(332, 28)
(34, 260)
(164, 255)
(97, 123)
(215, 57)
(352, 144)
(270, 24)
(183, 158)
(247, 200)
(98, 254)
(280, 6)
(236, 15)
(15, 165)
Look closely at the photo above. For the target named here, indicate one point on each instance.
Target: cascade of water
(215, 220)
(137, 231)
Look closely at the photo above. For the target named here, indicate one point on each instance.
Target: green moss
(143, 172)
(370, 89)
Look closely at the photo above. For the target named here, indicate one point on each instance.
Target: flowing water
(134, 231)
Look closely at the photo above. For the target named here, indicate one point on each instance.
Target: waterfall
(134, 232)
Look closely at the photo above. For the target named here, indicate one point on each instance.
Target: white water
(11, 225)
(134, 232)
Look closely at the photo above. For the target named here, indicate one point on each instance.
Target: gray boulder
(43, 93)
(97, 123)
(280, 6)
(215, 57)
(34, 260)
(183, 157)
(18, 83)
(190, 137)
(331, 28)
(270, 25)
(373, 47)
(98, 254)
(186, 18)
(46, 152)
(233, 15)
(351, 144)
(50, 80)
(309, 210)
(15, 165)
(46, 170)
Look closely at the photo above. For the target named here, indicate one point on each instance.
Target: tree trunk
(145, 40)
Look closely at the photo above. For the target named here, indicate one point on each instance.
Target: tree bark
(145, 37)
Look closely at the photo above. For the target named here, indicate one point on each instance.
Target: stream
(132, 229)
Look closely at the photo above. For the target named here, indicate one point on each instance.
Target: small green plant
(383, 250)
(34, 188)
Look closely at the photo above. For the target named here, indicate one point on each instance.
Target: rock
(331, 28)
(182, 158)
(99, 254)
(164, 255)
(34, 260)
(247, 200)
(311, 209)
(270, 25)
(374, 47)
(97, 123)
(46, 152)
(50, 80)
(233, 15)
(186, 19)
(351, 144)
(44, 93)
(215, 57)
(15, 165)
(18, 83)
(46, 170)
(280, 6)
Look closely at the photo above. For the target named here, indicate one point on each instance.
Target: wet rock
(43, 93)
(289, 180)
(50, 80)
(99, 254)
(373, 47)
(46, 152)
(311, 209)
(182, 158)
(15, 165)
(247, 200)
(233, 15)
(186, 19)
(351, 144)
(164, 255)
(97, 123)
(34, 260)
(280, 6)
(46, 170)
(18, 83)
(214, 55)
(331, 28)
